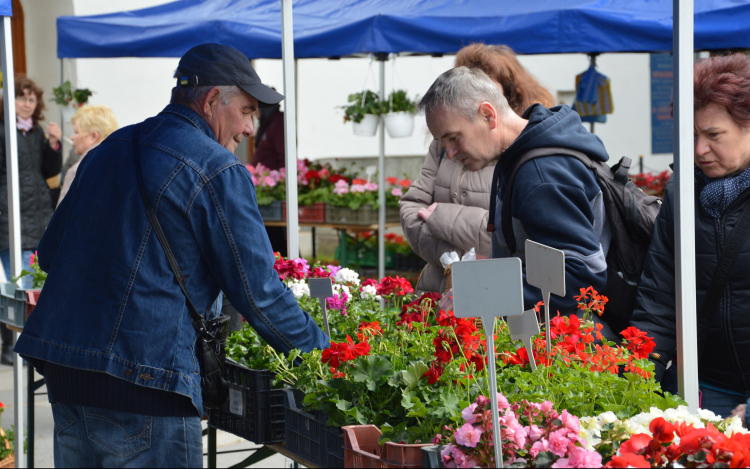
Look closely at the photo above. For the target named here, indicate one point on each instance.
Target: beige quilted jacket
(459, 222)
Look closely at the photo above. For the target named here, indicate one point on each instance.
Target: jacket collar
(188, 115)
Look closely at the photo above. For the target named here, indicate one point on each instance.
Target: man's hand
(424, 213)
(739, 411)
(55, 134)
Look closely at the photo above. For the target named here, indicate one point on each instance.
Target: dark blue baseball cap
(220, 65)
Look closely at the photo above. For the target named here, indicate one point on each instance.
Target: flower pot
(67, 113)
(367, 127)
(399, 124)
(361, 449)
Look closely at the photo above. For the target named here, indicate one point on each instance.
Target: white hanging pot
(67, 113)
(399, 124)
(367, 127)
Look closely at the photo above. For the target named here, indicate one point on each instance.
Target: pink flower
(338, 302)
(324, 173)
(357, 188)
(397, 192)
(437, 439)
(570, 422)
(534, 432)
(502, 402)
(540, 446)
(333, 269)
(446, 454)
(516, 433)
(558, 442)
(268, 181)
(469, 415)
(275, 175)
(458, 457)
(371, 186)
(580, 457)
(468, 435)
(250, 168)
(546, 407)
(282, 173)
(341, 187)
(301, 265)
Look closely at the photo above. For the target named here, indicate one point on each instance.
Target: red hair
(724, 81)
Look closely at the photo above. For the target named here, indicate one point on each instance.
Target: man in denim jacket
(111, 333)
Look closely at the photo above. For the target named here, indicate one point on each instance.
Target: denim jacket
(111, 303)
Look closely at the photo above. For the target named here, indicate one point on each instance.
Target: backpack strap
(720, 278)
(506, 216)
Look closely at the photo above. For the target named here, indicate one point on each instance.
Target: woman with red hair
(722, 192)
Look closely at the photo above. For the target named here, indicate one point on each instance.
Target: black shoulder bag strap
(199, 322)
(724, 268)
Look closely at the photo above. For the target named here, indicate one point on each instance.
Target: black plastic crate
(254, 410)
(307, 435)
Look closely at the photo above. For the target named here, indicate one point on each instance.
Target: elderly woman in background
(722, 183)
(91, 125)
(446, 208)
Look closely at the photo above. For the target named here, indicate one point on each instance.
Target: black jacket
(725, 361)
(37, 161)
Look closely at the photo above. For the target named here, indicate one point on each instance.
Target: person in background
(446, 208)
(39, 158)
(269, 151)
(722, 192)
(91, 125)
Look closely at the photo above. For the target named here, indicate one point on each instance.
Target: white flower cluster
(591, 427)
(299, 288)
(339, 288)
(369, 291)
(347, 276)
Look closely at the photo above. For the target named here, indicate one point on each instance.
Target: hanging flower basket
(367, 127)
(399, 124)
(10, 461)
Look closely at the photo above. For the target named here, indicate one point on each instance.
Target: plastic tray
(254, 410)
(271, 212)
(361, 449)
(308, 436)
(315, 213)
(16, 304)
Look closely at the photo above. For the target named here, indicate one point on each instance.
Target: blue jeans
(720, 403)
(26, 282)
(91, 437)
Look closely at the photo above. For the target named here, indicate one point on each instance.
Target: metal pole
(381, 175)
(290, 129)
(14, 219)
(687, 351)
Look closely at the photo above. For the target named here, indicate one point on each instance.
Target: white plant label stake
(322, 288)
(487, 289)
(545, 269)
(523, 328)
(371, 171)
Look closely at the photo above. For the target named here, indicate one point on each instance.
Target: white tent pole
(381, 177)
(290, 129)
(14, 218)
(687, 333)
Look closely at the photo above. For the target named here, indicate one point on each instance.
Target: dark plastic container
(254, 410)
(272, 211)
(307, 435)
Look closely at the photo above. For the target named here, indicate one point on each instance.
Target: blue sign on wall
(662, 124)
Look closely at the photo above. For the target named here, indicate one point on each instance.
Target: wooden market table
(343, 229)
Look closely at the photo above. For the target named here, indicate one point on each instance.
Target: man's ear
(488, 114)
(210, 100)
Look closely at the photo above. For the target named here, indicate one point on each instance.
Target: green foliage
(398, 102)
(38, 276)
(64, 94)
(356, 109)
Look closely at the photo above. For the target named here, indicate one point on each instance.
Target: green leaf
(372, 370)
(448, 406)
(413, 374)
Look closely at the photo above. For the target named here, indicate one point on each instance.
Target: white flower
(347, 276)
(671, 415)
(734, 425)
(369, 291)
(706, 414)
(607, 417)
(299, 288)
(590, 438)
(339, 288)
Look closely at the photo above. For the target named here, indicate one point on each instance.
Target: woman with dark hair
(446, 208)
(39, 158)
(722, 192)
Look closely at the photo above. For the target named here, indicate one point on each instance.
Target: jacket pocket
(120, 433)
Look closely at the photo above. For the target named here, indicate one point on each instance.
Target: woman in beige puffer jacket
(446, 208)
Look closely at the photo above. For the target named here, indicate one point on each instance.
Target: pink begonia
(268, 181)
(459, 458)
(580, 457)
(446, 453)
(333, 269)
(357, 188)
(540, 446)
(250, 168)
(558, 442)
(502, 402)
(534, 432)
(275, 175)
(255, 180)
(516, 433)
(338, 302)
(371, 186)
(397, 192)
(341, 187)
(547, 407)
(469, 415)
(324, 173)
(437, 439)
(570, 422)
(301, 263)
(468, 435)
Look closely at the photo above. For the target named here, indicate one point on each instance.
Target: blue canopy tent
(326, 28)
(336, 28)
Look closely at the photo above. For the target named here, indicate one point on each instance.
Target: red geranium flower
(628, 460)
(637, 444)
(662, 430)
(359, 181)
(433, 374)
(393, 285)
(391, 180)
(405, 183)
(336, 178)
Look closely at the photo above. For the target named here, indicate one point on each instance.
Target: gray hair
(463, 89)
(190, 95)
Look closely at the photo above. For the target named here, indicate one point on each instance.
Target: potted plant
(6, 445)
(364, 110)
(399, 116)
(69, 99)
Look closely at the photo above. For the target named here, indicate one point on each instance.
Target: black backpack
(631, 214)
